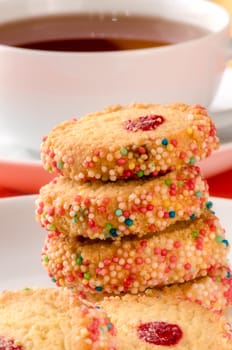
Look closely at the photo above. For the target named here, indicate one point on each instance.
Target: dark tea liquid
(94, 32)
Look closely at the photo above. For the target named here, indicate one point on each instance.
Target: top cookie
(132, 141)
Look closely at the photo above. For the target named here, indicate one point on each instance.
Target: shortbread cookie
(182, 252)
(53, 320)
(166, 323)
(123, 208)
(131, 141)
(213, 291)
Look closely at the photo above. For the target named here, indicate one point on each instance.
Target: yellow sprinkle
(131, 165)
(169, 147)
(189, 131)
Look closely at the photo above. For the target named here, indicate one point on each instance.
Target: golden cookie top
(131, 141)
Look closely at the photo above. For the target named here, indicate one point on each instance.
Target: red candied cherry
(144, 123)
(160, 333)
(9, 344)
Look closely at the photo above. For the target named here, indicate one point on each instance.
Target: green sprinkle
(46, 259)
(168, 182)
(53, 279)
(123, 151)
(87, 275)
(79, 260)
(192, 160)
(140, 173)
(51, 227)
(75, 219)
(148, 291)
(198, 194)
(118, 212)
(60, 165)
(26, 289)
(219, 239)
(218, 279)
(108, 226)
(195, 234)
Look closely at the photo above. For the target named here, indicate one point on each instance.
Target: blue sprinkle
(172, 214)
(164, 142)
(97, 307)
(228, 275)
(98, 288)
(192, 216)
(225, 242)
(209, 205)
(109, 326)
(113, 232)
(128, 222)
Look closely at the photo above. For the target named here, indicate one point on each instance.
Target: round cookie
(123, 208)
(182, 252)
(213, 291)
(52, 319)
(132, 141)
(162, 322)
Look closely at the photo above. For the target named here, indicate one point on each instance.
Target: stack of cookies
(128, 212)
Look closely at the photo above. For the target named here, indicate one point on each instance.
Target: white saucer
(22, 240)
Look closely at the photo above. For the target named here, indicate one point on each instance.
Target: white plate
(21, 241)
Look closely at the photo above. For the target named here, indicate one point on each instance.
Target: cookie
(166, 323)
(182, 252)
(213, 291)
(52, 320)
(123, 208)
(131, 141)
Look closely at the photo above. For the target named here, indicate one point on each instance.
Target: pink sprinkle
(78, 199)
(91, 223)
(70, 160)
(173, 258)
(157, 251)
(87, 201)
(121, 161)
(177, 244)
(141, 150)
(126, 213)
(164, 252)
(143, 210)
(91, 164)
(106, 200)
(115, 259)
(134, 207)
(143, 243)
(70, 278)
(40, 211)
(174, 142)
(107, 262)
(102, 209)
(127, 266)
(138, 261)
(150, 207)
(51, 211)
(187, 266)
(152, 228)
(61, 211)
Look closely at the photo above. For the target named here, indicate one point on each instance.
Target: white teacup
(39, 89)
